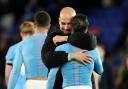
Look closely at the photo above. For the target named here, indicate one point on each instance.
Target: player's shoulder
(13, 47)
(64, 46)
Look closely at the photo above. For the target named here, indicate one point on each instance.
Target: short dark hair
(42, 18)
(79, 23)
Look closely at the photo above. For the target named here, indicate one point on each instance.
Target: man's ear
(49, 26)
(59, 20)
(21, 34)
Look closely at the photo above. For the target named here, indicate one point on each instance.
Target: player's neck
(41, 30)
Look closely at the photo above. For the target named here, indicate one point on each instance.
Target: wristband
(69, 56)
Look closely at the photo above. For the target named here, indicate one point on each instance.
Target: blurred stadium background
(108, 20)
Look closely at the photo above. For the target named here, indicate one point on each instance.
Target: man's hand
(59, 38)
(81, 57)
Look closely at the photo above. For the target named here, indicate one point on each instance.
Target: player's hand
(81, 57)
(59, 38)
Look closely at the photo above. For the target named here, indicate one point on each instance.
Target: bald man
(65, 17)
(54, 59)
